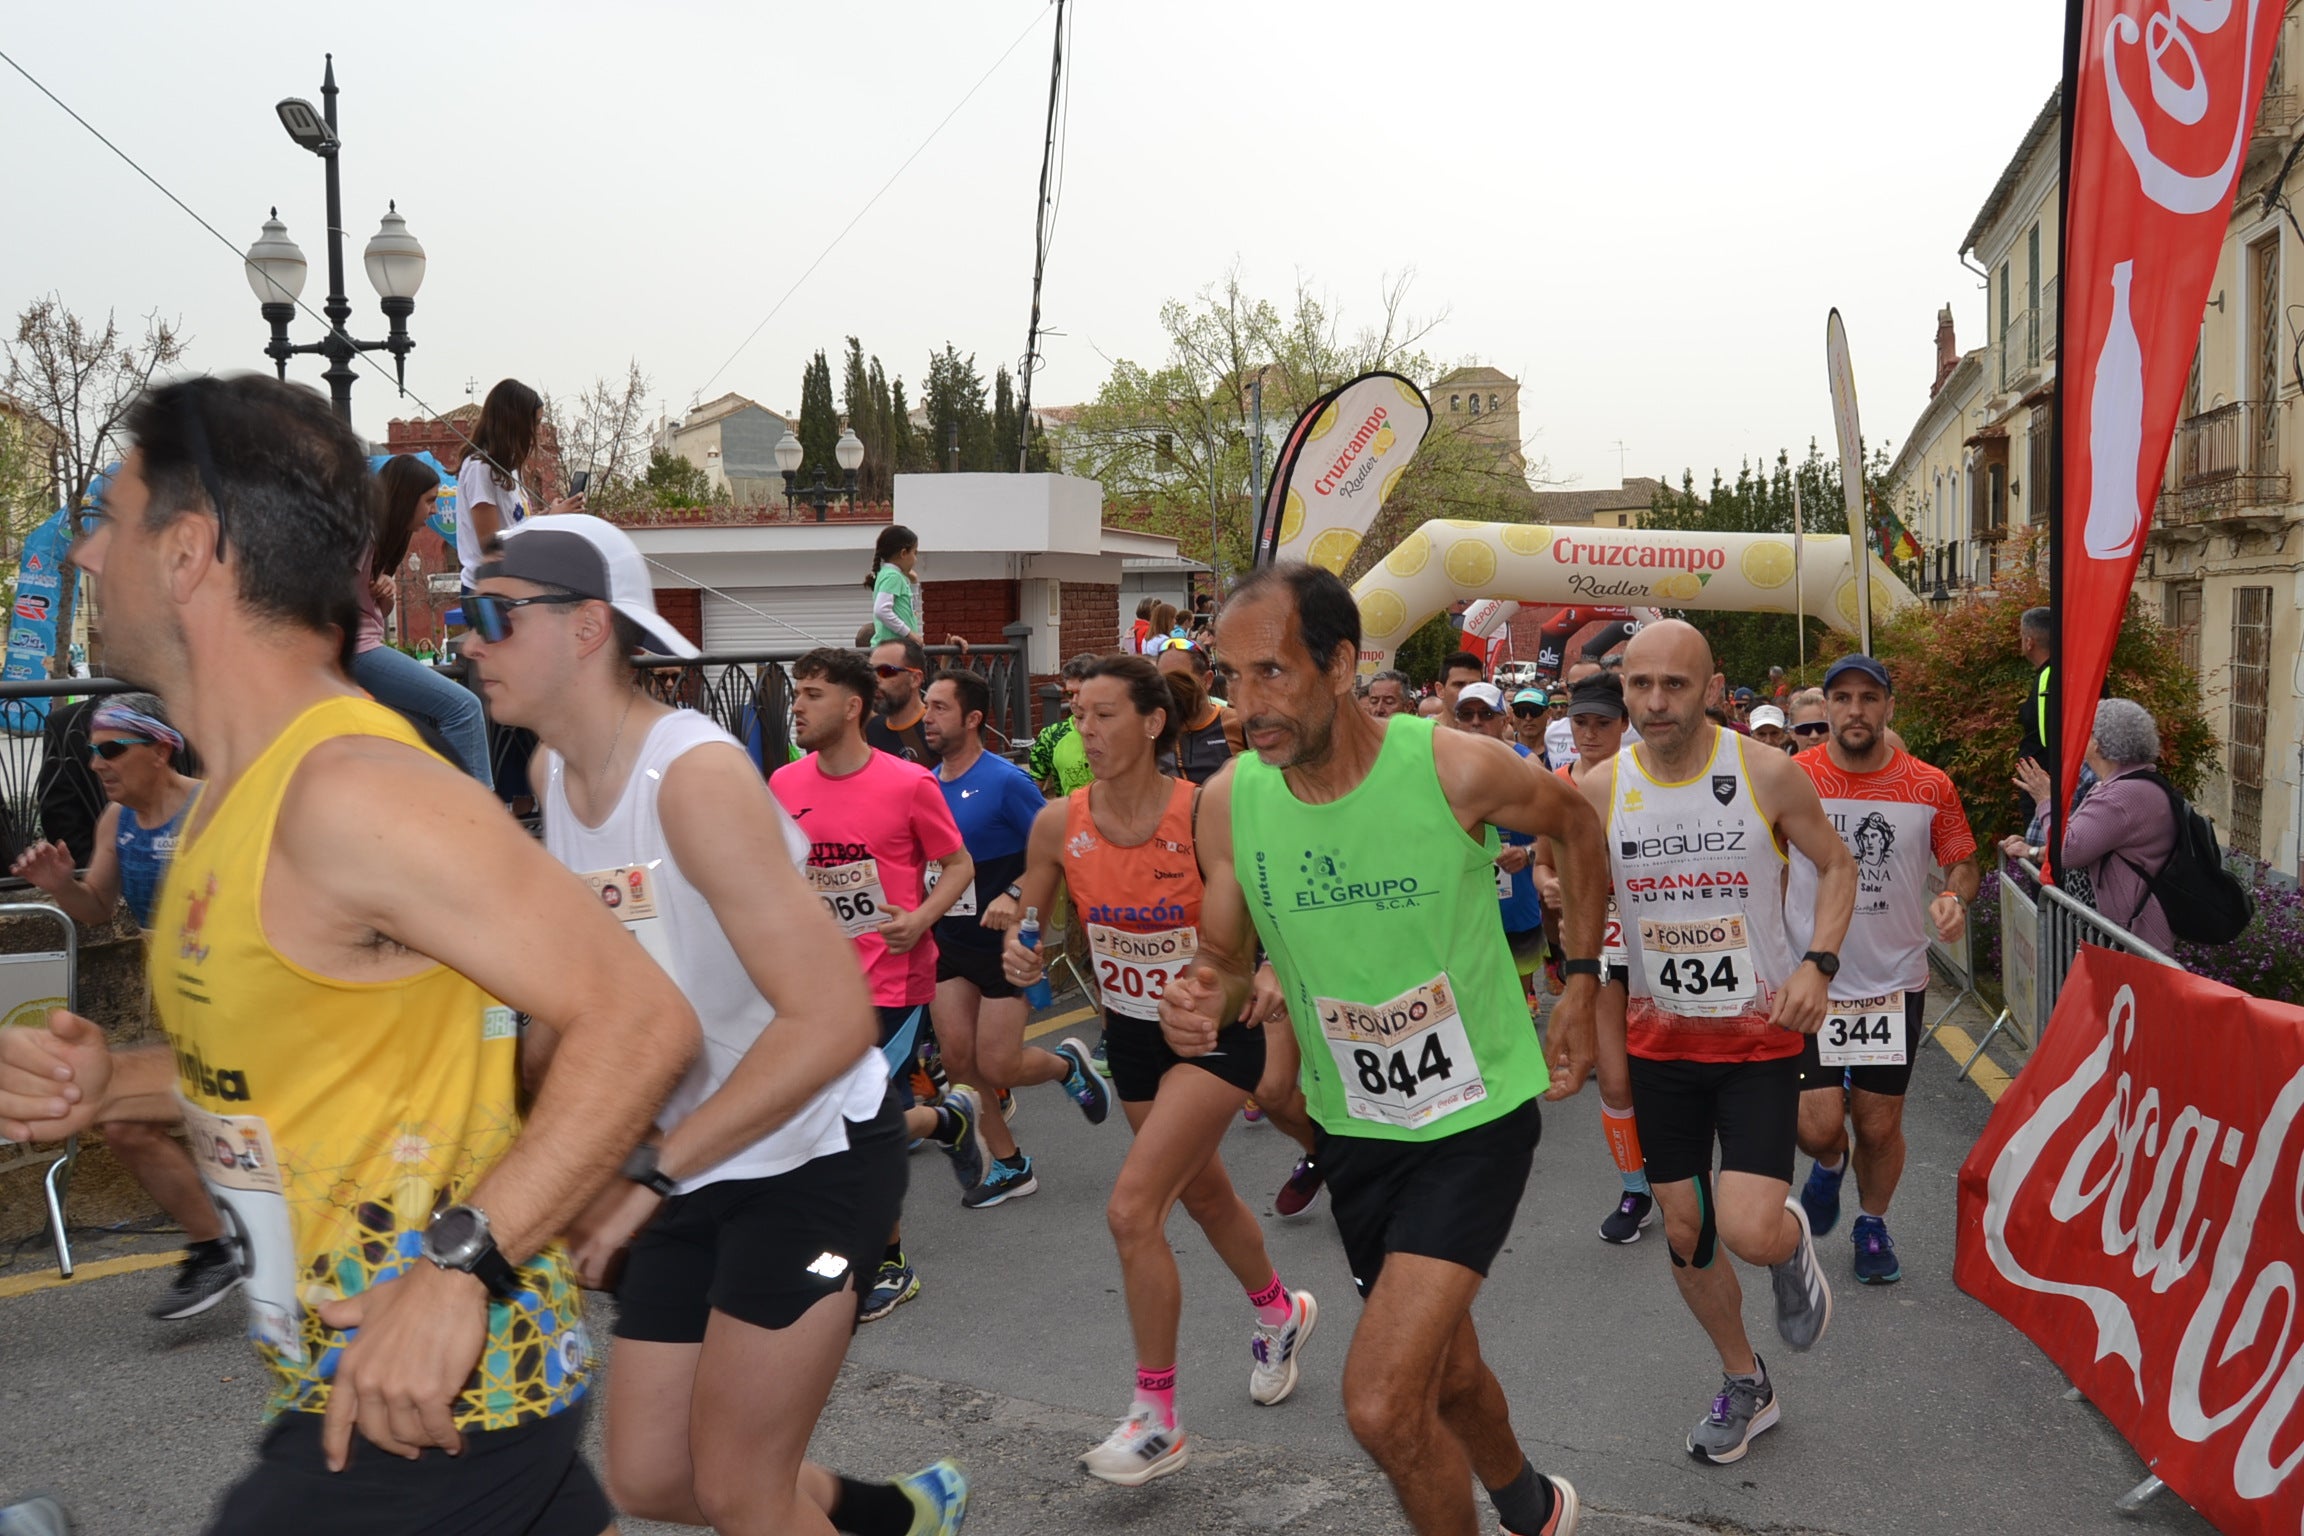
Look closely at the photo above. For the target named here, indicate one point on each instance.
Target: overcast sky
(1642, 211)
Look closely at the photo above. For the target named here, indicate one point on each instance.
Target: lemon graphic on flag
(1526, 538)
(1845, 600)
(1767, 565)
(1470, 563)
(1382, 613)
(1390, 481)
(1382, 442)
(1325, 425)
(31, 1014)
(1292, 518)
(1680, 586)
(1408, 395)
(1332, 549)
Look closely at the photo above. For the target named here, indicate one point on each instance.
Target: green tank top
(1379, 913)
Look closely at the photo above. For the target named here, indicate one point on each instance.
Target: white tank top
(1699, 884)
(628, 863)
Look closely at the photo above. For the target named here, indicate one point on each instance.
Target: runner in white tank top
(1697, 831)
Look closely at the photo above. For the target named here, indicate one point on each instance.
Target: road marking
(1988, 1074)
(1061, 1021)
(127, 1264)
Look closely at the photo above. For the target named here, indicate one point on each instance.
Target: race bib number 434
(1863, 1032)
(1404, 1063)
(1700, 967)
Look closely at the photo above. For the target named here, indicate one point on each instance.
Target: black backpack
(2204, 902)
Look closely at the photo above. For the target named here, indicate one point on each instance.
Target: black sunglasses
(109, 750)
(888, 671)
(1527, 711)
(1812, 728)
(491, 616)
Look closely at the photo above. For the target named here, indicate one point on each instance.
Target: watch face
(455, 1235)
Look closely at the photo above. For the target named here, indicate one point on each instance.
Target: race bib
(852, 894)
(237, 1163)
(1404, 1063)
(629, 892)
(1699, 967)
(1863, 1032)
(1613, 953)
(1133, 969)
(1503, 883)
(965, 906)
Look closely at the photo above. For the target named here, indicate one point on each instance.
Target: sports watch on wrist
(1015, 893)
(1824, 960)
(458, 1238)
(1590, 968)
(641, 1168)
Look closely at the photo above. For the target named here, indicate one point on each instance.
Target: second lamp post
(789, 454)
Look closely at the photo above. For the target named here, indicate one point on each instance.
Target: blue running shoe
(1003, 1180)
(1820, 1197)
(939, 1495)
(1096, 1059)
(894, 1284)
(1875, 1252)
(1080, 1081)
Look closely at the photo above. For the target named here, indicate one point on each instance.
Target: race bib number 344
(1863, 1032)
(1701, 967)
(1404, 1063)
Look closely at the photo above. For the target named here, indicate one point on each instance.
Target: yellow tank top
(330, 1118)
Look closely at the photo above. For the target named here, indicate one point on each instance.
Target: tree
(1007, 440)
(953, 396)
(864, 396)
(78, 381)
(819, 424)
(27, 484)
(605, 430)
(903, 442)
(673, 481)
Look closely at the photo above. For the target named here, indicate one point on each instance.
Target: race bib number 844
(1405, 1063)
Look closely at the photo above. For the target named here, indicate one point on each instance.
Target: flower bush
(2267, 959)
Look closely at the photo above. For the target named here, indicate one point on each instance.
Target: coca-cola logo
(2185, 142)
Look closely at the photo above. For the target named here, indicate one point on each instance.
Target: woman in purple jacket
(2123, 832)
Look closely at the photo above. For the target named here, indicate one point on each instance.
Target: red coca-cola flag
(2161, 100)
(2133, 1207)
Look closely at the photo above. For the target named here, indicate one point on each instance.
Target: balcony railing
(2277, 115)
(2224, 461)
(2017, 351)
(2048, 292)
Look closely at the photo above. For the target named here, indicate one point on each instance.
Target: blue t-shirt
(1522, 910)
(145, 854)
(994, 803)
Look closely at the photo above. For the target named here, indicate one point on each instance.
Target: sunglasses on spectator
(1475, 712)
(888, 671)
(1527, 711)
(491, 616)
(109, 750)
(1812, 728)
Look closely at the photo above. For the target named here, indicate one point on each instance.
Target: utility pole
(1042, 219)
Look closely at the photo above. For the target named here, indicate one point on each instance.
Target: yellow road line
(1988, 1074)
(1061, 1021)
(127, 1264)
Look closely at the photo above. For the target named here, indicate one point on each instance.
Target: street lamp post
(275, 266)
(849, 451)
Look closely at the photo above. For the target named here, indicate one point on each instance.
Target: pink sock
(1157, 1390)
(1272, 1304)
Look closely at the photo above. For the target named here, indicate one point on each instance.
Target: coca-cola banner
(1337, 465)
(2162, 107)
(2133, 1208)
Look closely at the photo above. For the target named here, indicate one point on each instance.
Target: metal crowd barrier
(32, 983)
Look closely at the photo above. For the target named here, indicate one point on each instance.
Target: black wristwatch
(641, 1168)
(458, 1238)
(1824, 960)
(1591, 968)
(1015, 893)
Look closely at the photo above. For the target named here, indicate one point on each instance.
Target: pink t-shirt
(871, 835)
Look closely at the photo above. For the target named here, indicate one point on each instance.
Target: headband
(119, 717)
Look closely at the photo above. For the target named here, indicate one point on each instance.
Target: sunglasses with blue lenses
(491, 616)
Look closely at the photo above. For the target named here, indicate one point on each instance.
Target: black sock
(1525, 1503)
(1016, 1162)
(872, 1509)
(894, 1253)
(948, 1125)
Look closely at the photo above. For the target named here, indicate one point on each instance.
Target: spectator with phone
(490, 495)
(405, 491)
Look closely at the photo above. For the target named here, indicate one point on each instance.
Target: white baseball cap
(1481, 693)
(1766, 714)
(596, 559)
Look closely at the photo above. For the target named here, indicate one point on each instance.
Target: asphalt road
(1920, 1412)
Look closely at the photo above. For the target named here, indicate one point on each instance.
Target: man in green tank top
(1353, 850)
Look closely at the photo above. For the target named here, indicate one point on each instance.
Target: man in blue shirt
(978, 1016)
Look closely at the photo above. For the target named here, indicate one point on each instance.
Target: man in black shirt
(894, 727)
(2036, 638)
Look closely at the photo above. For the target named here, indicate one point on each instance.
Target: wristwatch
(1581, 968)
(1015, 893)
(641, 1168)
(1824, 960)
(458, 1238)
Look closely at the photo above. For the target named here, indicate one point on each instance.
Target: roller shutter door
(746, 619)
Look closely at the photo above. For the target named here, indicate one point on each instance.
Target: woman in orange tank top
(1123, 847)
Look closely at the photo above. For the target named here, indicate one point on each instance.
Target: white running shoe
(1275, 1350)
(1141, 1449)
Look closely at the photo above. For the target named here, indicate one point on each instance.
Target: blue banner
(443, 519)
(40, 578)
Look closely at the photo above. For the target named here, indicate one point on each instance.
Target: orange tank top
(1139, 903)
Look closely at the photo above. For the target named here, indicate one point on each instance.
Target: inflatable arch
(1449, 560)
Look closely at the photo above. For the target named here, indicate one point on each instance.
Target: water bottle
(1039, 994)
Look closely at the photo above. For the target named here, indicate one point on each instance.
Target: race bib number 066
(1700, 967)
(1863, 1032)
(852, 894)
(1405, 1063)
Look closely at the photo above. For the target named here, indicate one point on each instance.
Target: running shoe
(1567, 1509)
(1251, 1113)
(206, 1277)
(1820, 1196)
(36, 1516)
(1636, 1210)
(1741, 1410)
(1096, 1059)
(1007, 1106)
(1303, 1187)
(966, 1146)
(894, 1285)
(1803, 1297)
(939, 1497)
(1275, 1350)
(1087, 1089)
(1003, 1180)
(1141, 1449)
(1875, 1252)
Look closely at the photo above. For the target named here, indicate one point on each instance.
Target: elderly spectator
(1768, 727)
(2123, 832)
(1808, 725)
(1389, 692)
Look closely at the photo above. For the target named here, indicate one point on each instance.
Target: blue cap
(1858, 662)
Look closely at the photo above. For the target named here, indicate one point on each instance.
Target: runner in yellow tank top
(348, 928)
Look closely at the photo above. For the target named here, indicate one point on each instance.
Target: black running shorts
(1528, 950)
(1139, 1057)
(1451, 1199)
(530, 1480)
(1752, 1107)
(980, 968)
(1889, 1082)
(766, 1250)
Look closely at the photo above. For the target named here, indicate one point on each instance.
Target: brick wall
(683, 607)
(977, 611)
(1091, 617)
(445, 438)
